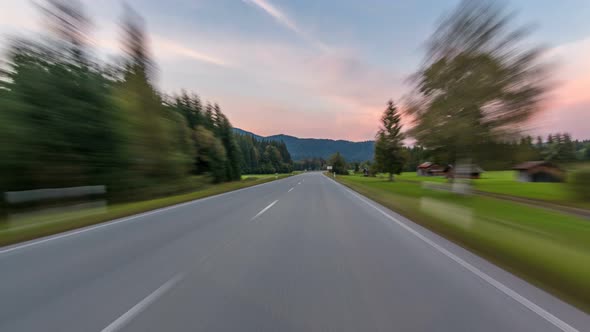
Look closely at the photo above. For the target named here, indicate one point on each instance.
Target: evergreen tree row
(68, 120)
(263, 156)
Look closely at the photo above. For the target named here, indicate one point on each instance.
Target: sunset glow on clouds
(320, 69)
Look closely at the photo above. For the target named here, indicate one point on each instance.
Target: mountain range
(303, 148)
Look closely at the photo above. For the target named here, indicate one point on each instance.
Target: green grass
(505, 183)
(265, 176)
(46, 224)
(549, 249)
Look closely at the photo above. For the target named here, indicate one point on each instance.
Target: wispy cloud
(276, 14)
(168, 47)
(285, 21)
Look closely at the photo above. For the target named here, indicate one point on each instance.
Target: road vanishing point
(299, 254)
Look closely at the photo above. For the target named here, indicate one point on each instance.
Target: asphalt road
(299, 254)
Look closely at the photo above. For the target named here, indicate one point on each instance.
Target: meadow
(505, 183)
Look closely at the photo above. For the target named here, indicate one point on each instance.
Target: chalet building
(430, 169)
(539, 171)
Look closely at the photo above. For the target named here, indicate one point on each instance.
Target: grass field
(46, 224)
(505, 183)
(549, 249)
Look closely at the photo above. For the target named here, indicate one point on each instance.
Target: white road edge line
(290, 190)
(117, 221)
(142, 305)
(264, 210)
(498, 285)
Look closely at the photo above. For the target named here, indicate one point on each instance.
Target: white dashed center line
(264, 210)
(142, 305)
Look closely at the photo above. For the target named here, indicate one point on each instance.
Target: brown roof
(426, 165)
(530, 164)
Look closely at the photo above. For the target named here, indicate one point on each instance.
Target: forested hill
(303, 148)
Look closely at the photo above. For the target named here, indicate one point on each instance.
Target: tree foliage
(389, 155)
(263, 156)
(558, 147)
(65, 120)
(310, 164)
(478, 82)
(338, 164)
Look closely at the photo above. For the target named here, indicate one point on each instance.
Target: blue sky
(320, 68)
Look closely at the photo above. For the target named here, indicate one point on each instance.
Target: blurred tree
(539, 143)
(190, 108)
(210, 154)
(226, 134)
(56, 103)
(338, 164)
(64, 121)
(148, 131)
(478, 82)
(389, 153)
(67, 20)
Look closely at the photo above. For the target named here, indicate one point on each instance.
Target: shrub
(580, 184)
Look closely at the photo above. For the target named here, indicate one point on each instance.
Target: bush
(580, 184)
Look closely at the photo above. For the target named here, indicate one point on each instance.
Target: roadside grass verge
(549, 249)
(265, 176)
(44, 225)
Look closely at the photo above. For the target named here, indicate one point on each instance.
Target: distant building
(539, 171)
(431, 169)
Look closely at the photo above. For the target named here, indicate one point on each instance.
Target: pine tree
(539, 143)
(338, 164)
(389, 157)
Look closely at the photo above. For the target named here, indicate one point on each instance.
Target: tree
(224, 131)
(210, 154)
(262, 156)
(539, 143)
(389, 155)
(65, 121)
(338, 164)
(478, 82)
(568, 150)
(55, 106)
(148, 131)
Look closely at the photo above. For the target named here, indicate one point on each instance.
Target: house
(539, 171)
(430, 169)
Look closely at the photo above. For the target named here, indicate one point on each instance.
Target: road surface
(299, 254)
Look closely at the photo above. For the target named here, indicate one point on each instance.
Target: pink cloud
(573, 72)
(568, 108)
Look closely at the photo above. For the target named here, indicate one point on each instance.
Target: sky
(322, 69)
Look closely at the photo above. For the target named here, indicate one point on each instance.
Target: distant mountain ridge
(303, 148)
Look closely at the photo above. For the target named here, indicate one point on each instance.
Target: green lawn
(46, 224)
(549, 249)
(505, 183)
